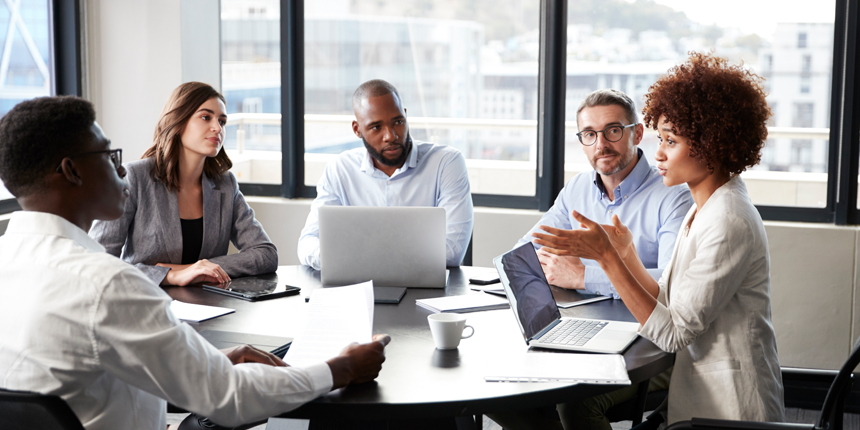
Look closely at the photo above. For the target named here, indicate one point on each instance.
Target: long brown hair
(167, 140)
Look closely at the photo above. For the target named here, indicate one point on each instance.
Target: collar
(632, 182)
(410, 163)
(46, 224)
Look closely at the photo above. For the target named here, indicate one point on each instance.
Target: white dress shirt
(83, 325)
(714, 313)
(433, 175)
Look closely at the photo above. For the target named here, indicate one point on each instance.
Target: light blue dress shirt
(652, 211)
(433, 175)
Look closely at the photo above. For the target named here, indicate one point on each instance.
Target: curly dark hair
(36, 135)
(720, 107)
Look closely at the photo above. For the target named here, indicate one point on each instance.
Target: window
(482, 94)
(468, 79)
(26, 43)
(251, 83)
(628, 45)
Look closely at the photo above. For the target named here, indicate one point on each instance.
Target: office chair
(829, 419)
(21, 410)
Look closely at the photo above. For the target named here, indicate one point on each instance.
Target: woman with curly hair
(712, 305)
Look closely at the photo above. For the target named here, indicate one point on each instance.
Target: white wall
(137, 52)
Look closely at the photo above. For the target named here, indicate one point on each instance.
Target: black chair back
(32, 411)
(831, 412)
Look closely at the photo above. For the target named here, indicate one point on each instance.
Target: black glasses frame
(622, 127)
(114, 154)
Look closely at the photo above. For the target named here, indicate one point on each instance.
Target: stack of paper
(197, 313)
(336, 318)
(465, 303)
(559, 367)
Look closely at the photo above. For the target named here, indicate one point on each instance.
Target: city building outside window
(468, 74)
(628, 45)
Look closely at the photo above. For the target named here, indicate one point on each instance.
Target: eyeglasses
(613, 133)
(114, 154)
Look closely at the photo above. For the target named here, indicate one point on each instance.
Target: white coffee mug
(447, 329)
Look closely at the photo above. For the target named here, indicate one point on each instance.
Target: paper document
(336, 317)
(561, 367)
(464, 303)
(190, 312)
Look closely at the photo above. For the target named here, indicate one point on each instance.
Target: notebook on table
(391, 246)
(538, 316)
(463, 303)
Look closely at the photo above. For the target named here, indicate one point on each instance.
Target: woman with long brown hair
(185, 206)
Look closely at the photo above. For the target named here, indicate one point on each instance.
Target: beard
(392, 162)
(622, 163)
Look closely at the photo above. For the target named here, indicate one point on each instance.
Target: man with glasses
(623, 183)
(81, 324)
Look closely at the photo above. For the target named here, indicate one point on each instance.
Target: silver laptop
(539, 318)
(392, 246)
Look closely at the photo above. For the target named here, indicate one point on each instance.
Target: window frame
(841, 207)
(66, 53)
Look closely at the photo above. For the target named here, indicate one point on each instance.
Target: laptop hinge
(545, 329)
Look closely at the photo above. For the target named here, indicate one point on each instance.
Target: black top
(192, 239)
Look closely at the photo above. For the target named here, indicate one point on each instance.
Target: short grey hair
(610, 97)
(373, 88)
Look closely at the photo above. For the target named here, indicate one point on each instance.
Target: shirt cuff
(596, 282)
(320, 376)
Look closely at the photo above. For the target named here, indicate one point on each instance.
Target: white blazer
(714, 313)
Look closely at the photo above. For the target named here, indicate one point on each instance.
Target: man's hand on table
(249, 354)
(358, 363)
(563, 271)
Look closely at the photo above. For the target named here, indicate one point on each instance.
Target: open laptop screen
(529, 291)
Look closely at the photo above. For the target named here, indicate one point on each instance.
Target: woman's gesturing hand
(620, 236)
(592, 242)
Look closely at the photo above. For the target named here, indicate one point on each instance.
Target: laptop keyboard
(573, 332)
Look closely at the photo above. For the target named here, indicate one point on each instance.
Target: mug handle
(470, 334)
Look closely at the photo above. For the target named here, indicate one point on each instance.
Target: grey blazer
(149, 231)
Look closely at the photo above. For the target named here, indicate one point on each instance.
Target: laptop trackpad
(615, 336)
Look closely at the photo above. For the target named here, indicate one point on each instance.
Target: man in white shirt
(391, 170)
(83, 325)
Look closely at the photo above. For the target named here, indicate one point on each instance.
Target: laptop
(391, 246)
(538, 316)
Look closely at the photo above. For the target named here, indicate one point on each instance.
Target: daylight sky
(754, 16)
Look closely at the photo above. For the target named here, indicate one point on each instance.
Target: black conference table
(417, 381)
